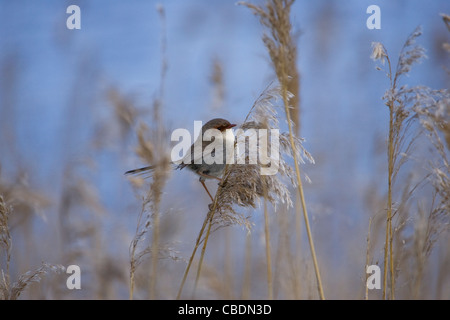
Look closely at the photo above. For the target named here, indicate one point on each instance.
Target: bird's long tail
(143, 170)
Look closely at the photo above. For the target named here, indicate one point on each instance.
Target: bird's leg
(204, 186)
(204, 175)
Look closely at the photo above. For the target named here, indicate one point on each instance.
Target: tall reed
(275, 16)
(407, 105)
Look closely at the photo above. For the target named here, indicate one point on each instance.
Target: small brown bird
(204, 170)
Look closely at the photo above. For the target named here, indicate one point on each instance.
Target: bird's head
(219, 124)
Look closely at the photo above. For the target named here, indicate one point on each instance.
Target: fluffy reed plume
(275, 16)
(406, 105)
(8, 290)
(244, 184)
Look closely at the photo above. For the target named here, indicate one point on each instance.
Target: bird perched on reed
(196, 162)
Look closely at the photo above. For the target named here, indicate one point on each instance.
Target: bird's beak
(231, 126)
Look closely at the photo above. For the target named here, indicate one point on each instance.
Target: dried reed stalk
(245, 293)
(366, 297)
(282, 51)
(268, 251)
(197, 243)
